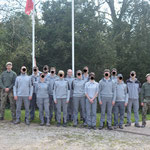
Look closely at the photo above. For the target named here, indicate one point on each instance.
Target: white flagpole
(33, 35)
(73, 67)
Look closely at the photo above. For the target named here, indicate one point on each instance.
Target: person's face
(35, 70)
(85, 70)
(45, 70)
(107, 74)
(53, 71)
(42, 76)
(9, 67)
(92, 78)
(148, 79)
(69, 73)
(23, 70)
(114, 73)
(61, 75)
(132, 75)
(119, 79)
(79, 75)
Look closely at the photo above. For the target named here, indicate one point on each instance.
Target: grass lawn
(36, 120)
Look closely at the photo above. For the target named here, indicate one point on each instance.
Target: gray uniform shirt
(78, 87)
(121, 92)
(61, 89)
(133, 87)
(70, 80)
(42, 89)
(91, 88)
(107, 89)
(85, 78)
(51, 79)
(23, 86)
(35, 79)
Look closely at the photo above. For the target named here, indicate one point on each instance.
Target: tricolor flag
(29, 6)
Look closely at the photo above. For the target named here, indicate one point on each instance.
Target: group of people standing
(53, 92)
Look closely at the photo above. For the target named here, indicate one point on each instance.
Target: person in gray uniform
(61, 93)
(46, 71)
(51, 79)
(114, 74)
(70, 78)
(107, 96)
(91, 92)
(121, 102)
(35, 77)
(78, 87)
(42, 93)
(133, 86)
(85, 77)
(23, 91)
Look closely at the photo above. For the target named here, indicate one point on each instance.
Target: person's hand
(7, 90)
(67, 102)
(15, 98)
(55, 101)
(113, 103)
(142, 104)
(91, 101)
(30, 98)
(100, 102)
(125, 104)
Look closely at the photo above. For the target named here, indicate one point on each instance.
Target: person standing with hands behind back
(133, 86)
(23, 91)
(42, 93)
(61, 93)
(107, 97)
(121, 102)
(91, 92)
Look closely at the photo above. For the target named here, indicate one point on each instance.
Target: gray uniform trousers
(43, 104)
(135, 104)
(76, 101)
(119, 108)
(70, 109)
(61, 102)
(19, 101)
(91, 110)
(32, 106)
(106, 104)
(52, 107)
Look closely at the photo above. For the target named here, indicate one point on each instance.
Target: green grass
(36, 120)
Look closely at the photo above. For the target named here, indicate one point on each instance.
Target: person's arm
(54, 92)
(126, 95)
(68, 92)
(30, 89)
(114, 92)
(13, 81)
(86, 91)
(142, 94)
(99, 95)
(1, 82)
(15, 88)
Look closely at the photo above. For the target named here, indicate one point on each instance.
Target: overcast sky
(13, 4)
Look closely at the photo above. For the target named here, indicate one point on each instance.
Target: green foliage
(122, 43)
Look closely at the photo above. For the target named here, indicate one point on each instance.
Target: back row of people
(51, 92)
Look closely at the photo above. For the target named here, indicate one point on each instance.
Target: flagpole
(33, 35)
(73, 67)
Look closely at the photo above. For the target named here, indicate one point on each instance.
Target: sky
(14, 4)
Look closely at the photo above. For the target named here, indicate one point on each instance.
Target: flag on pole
(29, 7)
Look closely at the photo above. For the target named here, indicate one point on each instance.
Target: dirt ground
(35, 137)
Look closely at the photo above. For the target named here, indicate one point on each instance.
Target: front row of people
(110, 93)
